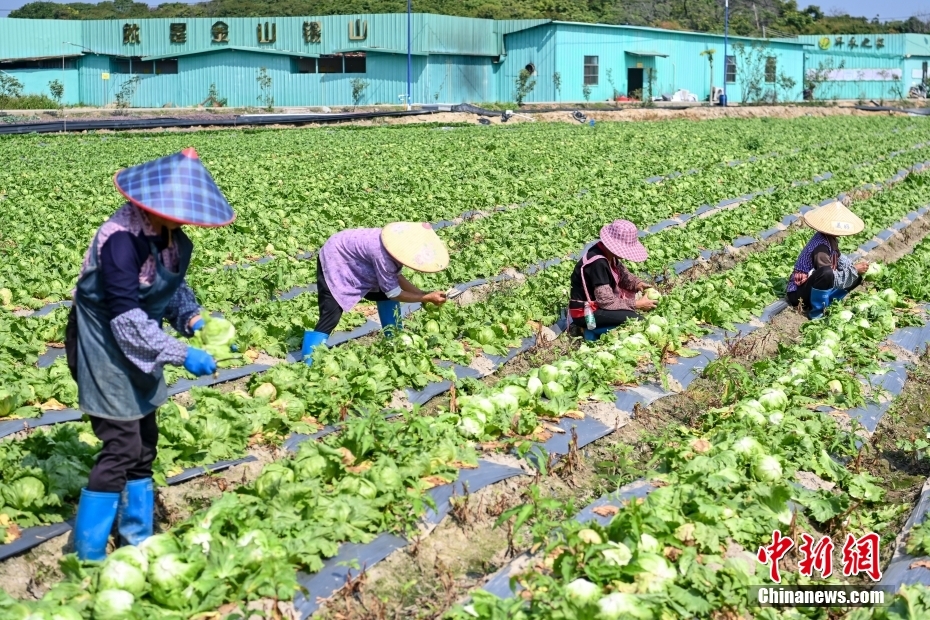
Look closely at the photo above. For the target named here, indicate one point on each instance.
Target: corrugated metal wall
(36, 81)
(458, 59)
(684, 68)
(29, 38)
(537, 47)
(917, 44)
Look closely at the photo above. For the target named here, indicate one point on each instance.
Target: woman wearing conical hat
(821, 274)
(132, 279)
(366, 263)
(602, 284)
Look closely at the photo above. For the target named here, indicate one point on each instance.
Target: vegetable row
(211, 535)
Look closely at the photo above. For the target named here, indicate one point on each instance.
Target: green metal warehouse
(316, 61)
(867, 67)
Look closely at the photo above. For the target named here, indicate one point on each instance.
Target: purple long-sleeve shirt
(355, 263)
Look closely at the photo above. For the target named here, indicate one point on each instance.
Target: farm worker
(602, 282)
(131, 280)
(821, 274)
(366, 262)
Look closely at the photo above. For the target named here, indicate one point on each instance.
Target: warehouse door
(634, 81)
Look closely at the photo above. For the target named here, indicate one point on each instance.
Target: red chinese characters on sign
(817, 557)
(862, 556)
(775, 552)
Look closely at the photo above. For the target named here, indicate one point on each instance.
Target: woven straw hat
(178, 188)
(834, 219)
(415, 245)
(622, 239)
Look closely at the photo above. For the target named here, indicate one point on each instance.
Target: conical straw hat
(178, 188)
(834, 219)
(415, 245)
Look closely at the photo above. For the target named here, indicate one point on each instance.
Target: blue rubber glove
(197, 326)
(199, 362)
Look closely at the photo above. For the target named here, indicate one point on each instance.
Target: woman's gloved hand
(198, 325)
(199, 362)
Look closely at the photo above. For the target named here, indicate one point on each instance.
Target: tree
(358, 90)
(709, 53)
(58, 91)
(525, 84)
(750, 62)
(266, 98)
(10, 87)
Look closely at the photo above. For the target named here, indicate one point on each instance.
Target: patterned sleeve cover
(145, 343)
(181, 309)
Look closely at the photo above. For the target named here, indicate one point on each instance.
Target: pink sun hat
(620, 237)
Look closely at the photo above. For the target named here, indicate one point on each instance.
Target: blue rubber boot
(312, 340)
(95, 516)
(136, 511)
(820, 299)
(838, 294)
(593, 334)
(389, 314)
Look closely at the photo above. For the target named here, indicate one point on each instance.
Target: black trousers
(330, 310)
(822, 279)
(129, 449)
(613, 318)
(610, 318)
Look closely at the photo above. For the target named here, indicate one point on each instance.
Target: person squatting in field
(366, 263)
(131, 280)
(603, 284)
(822, 274)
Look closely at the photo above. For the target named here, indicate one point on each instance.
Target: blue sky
(886, 9)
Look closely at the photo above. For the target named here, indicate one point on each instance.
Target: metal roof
(378, 50)
(209, 50)
(679, 32)
(40, 58)
(647, 54)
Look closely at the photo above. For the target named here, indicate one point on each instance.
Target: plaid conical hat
(415, 245)
(178, 188)
(834, 219)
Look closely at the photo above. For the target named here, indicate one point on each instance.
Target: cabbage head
(24, 492)
(113, 604)
(158, 545)
(119, 575)
(169, 576)
(583, 591)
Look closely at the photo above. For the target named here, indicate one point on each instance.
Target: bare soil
(543, 114)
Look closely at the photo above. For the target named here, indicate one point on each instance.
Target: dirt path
(524, 115)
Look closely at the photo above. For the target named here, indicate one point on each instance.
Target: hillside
(748, 17)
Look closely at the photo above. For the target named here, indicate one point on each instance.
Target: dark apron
(109, 385)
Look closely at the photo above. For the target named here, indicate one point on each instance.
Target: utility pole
(726, 59)
(409, 52)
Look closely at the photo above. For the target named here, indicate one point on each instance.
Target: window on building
(590, 70)
(166, 66)
(133, 66)
(355, 62)
(303, 65)
(731, 70)
(771, 67)
(330, 64)
(45, 63)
